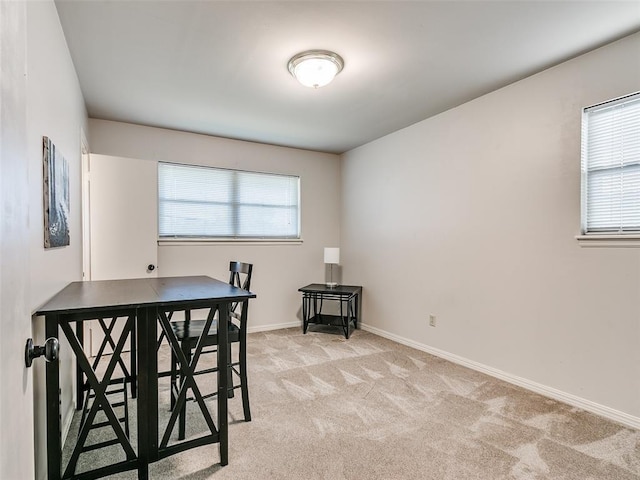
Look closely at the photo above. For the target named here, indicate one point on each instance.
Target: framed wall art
(56, 196)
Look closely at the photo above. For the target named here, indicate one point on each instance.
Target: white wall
(54, 108)
(471, 216)
(279, 269)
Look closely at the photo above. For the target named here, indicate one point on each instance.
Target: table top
(337, 290)
(140, 292)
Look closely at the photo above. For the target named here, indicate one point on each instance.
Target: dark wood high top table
(144, 303)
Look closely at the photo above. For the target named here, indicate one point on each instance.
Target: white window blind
(611, 167)
(205, 202)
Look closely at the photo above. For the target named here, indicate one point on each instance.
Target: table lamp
(332, 257)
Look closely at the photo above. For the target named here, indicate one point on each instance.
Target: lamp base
(331, 284)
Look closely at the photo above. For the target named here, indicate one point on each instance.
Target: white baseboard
(274, 326)
(67, 424)
(568, 398)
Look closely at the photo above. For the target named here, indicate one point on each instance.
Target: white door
(123, 224)
(124, 217)
(16, 382)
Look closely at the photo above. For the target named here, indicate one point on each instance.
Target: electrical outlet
(432, 320)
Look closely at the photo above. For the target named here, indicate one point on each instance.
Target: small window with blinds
(214, 203)
(611, 167)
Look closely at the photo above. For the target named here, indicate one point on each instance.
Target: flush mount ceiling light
(315, 68)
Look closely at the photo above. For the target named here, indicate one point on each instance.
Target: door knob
(151, 267)
(50, 351)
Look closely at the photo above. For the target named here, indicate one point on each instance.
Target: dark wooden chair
(188, 332)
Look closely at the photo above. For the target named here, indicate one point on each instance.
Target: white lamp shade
(332, 255)
(315, 72)
(315, 68)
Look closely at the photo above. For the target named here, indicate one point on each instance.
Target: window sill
(609, 241)
(177, 242)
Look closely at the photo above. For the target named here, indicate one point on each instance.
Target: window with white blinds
(205, 202)
(611, 167)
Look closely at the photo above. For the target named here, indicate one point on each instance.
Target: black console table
(349, 297)
(145, 303)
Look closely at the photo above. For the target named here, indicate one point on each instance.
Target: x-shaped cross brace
(187, 370)
(99, 387)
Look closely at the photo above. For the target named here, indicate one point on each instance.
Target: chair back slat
(236, 271)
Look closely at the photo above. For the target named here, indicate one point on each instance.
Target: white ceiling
(220, 67)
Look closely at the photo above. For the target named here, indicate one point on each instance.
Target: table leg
(54, 439)
(315, 305)
(223, 373)
(134, 362)
(147, 401)
(305, 313)
(79, 373)
(344, 316)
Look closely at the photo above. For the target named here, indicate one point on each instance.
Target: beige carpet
(367, 408)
